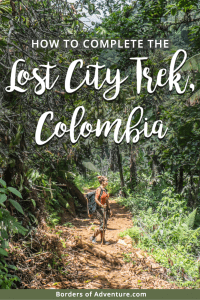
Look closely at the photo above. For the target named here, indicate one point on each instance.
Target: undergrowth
(91, 182)
(164, 227)
(88, 182)
(9, 226)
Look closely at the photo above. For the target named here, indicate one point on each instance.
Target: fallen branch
(99, 253)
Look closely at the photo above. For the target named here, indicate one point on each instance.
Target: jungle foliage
(42, 180)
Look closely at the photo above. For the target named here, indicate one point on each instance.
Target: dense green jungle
(157, 180)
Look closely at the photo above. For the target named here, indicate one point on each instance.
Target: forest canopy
(65, 119)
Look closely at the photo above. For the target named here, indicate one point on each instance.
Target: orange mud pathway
(64, 257)
(118, 265)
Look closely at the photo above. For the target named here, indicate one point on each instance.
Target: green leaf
(3, 252)
(2, 198)
(194, 98)
(2, 182)
(34, 203)
(4, 235)
(81, 25)
(191, 219)
(4, 19)
(3, 43)
(97, 12)
(12, 267)
(192, 64)
(65, 147)
(14, 191)
(17, 206)
(90, 166)
(114, 66)
(173, 11)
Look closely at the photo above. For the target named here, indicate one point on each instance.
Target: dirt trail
(120, 221)
(117, 265)
(64, 258)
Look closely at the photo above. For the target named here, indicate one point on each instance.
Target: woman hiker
(101, 199)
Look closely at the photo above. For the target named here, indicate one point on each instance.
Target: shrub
(8, 226)
(167, 233)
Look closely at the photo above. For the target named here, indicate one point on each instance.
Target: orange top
(103, 196)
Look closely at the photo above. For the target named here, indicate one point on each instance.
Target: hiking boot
(105, 242)
(93, 239)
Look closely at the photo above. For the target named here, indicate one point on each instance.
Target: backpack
(91, 204)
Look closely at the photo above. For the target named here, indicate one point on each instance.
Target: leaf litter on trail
(64, 258)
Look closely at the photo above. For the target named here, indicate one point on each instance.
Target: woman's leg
(105, 227)
(100, 216)
(93, 238)
(98, 231)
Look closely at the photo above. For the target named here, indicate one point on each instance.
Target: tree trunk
(197, 192)
(176, 181)
(73, 190)
(67, 203)
(154, 167)
(120, 171)
(180, 181)
(113, 159)
(133, 168)
(192, 193)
